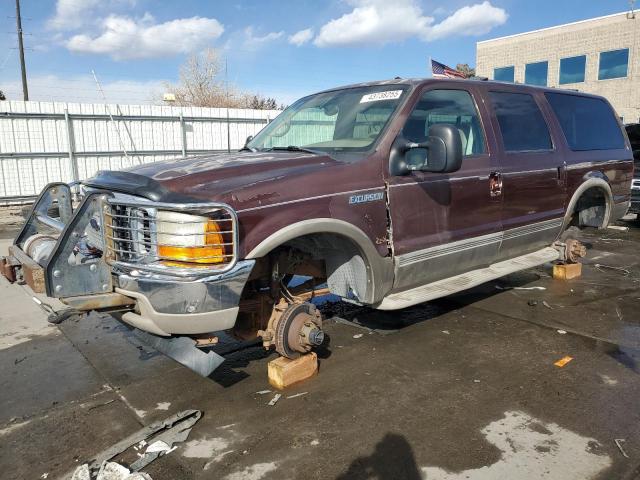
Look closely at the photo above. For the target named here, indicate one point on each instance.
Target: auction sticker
(376, 97)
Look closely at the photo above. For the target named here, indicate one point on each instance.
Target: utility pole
(25, 91)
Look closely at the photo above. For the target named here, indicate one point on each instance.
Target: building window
(521, 122)
(536, 73)
(572, 69)
(613, 64)
(504, 74)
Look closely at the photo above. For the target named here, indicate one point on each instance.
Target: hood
(242, 180)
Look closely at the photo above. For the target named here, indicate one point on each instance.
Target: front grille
(635, 184)
(132, 233)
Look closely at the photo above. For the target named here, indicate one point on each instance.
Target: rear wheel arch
(591, 204)
(350, 256)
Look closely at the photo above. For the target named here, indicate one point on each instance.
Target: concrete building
(600, 55)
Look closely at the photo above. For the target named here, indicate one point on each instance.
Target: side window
(521, 122)
(587, 123)
(455, 107)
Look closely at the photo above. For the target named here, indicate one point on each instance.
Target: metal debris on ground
(274, 400)
(616, 227)
(173, 429)
(520, 288)
(109, 471)
(297, 395)
(563, 361)
(562, 332)
(446, 332)
(544, 302)
(619, 442)
(263, 392)
(601, 267)
(358, 335)
(532, 303)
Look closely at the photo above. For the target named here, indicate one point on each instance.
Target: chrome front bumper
(169, 305)
(159, 298)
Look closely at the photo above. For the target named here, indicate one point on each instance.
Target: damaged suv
(386, 194)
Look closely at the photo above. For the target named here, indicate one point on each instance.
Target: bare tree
(466, 70)
(201, 85)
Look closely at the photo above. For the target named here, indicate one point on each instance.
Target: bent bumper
(167, 305)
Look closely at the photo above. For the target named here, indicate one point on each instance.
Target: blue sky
(276, 48)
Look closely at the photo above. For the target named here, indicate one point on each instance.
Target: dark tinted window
(521, 123)
(504, 74)
(613, 64)
(572, 69)
(536, 73)
(587, 123)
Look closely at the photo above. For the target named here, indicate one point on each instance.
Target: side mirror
(441, 153)
(249, 138)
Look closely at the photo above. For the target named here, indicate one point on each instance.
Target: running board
(442, 288)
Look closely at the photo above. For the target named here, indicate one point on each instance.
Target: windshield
(341, 120)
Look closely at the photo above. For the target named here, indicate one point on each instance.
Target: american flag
(440, 70)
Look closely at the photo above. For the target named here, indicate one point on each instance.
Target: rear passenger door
(531, 178)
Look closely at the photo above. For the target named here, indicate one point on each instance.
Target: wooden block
(567, 271)
(284, 372)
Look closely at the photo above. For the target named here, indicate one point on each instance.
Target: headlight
(189, 238)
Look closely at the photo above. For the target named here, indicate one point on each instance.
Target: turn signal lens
(189, 238)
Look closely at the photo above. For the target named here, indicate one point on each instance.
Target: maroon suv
(392, 193)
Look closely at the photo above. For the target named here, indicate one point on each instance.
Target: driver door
(445, 224)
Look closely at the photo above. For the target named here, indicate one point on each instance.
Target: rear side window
(587, 123)
(521, 122)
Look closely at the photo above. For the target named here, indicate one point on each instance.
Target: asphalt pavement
(466, 387)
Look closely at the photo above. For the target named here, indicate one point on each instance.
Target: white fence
(42, 142)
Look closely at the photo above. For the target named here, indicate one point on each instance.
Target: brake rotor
(298, 330)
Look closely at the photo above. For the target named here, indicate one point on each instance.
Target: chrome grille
(635, 185)
(137, 233)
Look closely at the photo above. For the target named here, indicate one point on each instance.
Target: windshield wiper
(291, 148)
(248, 149)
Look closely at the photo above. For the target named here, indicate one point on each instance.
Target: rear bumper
(619, 210)
(167, 305)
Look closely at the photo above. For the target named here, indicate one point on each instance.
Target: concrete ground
(460, 388)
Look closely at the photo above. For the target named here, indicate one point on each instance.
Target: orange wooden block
(567, 271)
(284, 372)
(563, 361)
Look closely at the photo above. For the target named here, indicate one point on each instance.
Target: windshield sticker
(365, 197)
(376, 97)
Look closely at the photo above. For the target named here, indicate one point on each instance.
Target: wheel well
(345, 265)
(591, 209)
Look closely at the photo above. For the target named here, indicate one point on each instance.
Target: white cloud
(301, 37)
(471, 20)
(83, 89)
(380, 22)
(70, 14)
(125, 38)
(252, 40)
(75, 14)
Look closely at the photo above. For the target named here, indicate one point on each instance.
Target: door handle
(495, 184)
